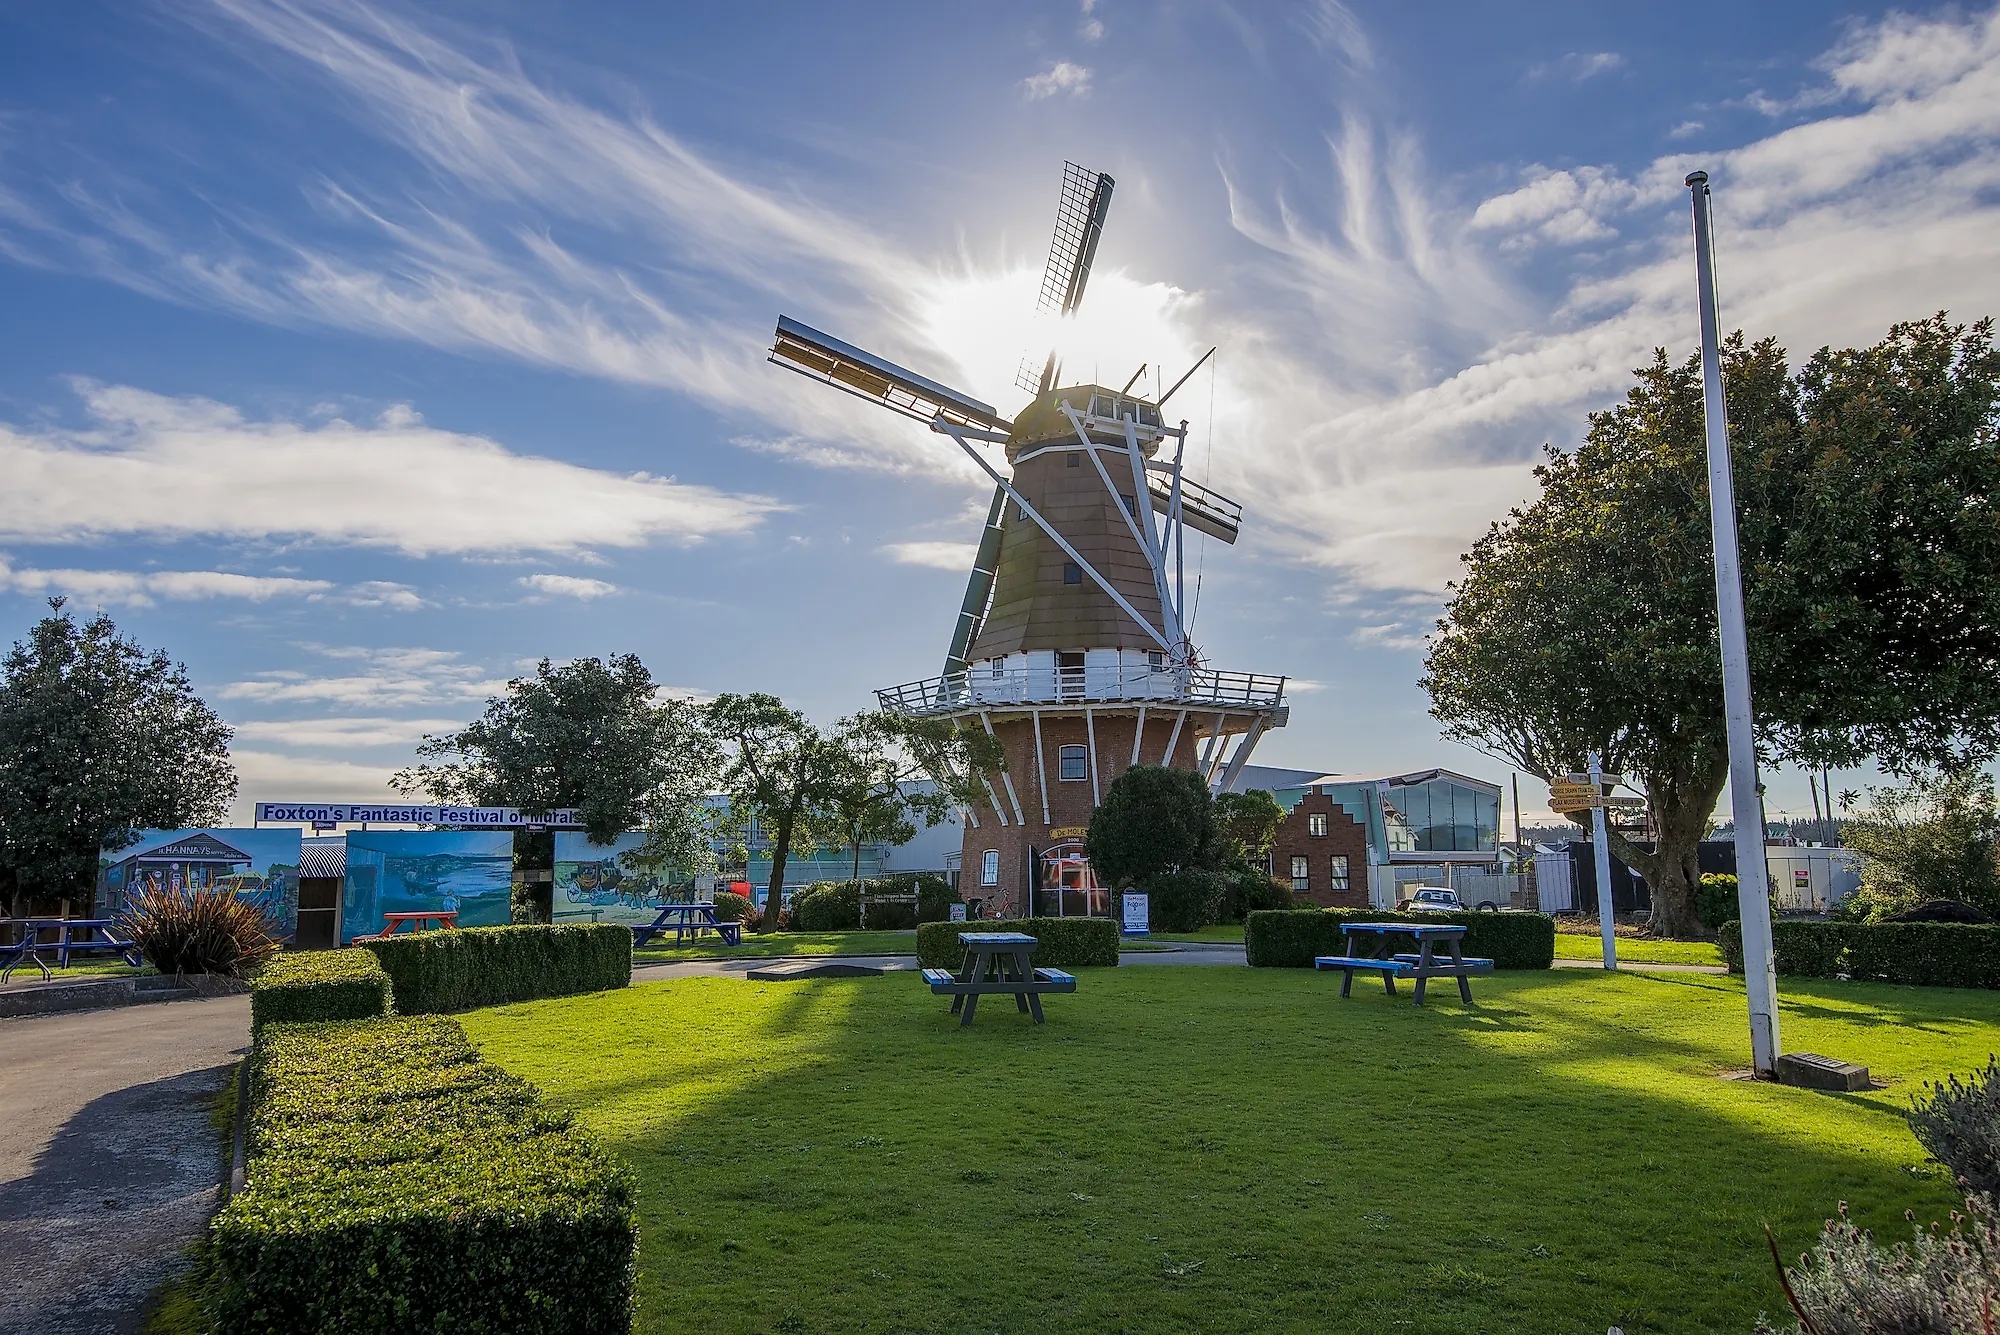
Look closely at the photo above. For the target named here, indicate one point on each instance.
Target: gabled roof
(198, 847)
(323, 859)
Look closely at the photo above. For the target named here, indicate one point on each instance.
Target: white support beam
(1243, 750)
(1124, 604)
(1138, 734)
(1215, 752)
(1090, 734)
(1173, 738)
(1041, 768)
(1005, 777)
(999, 812)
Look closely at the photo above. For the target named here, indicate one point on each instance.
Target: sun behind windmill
(1072, 644)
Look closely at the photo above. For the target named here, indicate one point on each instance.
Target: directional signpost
(1592, 792)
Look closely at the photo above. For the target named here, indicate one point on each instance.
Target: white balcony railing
(978, 688)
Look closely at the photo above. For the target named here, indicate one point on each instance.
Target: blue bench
(1420, 965)
(997, 962)
(1390, 970)
(1470, 965)
(1056, 980)
(939, 979)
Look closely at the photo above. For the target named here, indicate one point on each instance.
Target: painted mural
(261, 866)
(412, 871)
(604, 883)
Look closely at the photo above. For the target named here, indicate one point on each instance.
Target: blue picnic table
(997, 962)
(29, 947)
(1368, 946)
(688, 920)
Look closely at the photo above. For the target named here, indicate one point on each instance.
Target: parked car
(1433, 899)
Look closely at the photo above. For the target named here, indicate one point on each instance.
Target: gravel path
(109, 1166)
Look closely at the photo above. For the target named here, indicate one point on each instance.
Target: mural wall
(603, 883)
(259, 865)
(413, 871)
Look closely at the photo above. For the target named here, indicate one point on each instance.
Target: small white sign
(1138, 914)
(958, 913)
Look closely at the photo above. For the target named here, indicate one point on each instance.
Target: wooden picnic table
(28, 948)
(688, 920)
(1422, 965)
(997, 962)
(445, 920)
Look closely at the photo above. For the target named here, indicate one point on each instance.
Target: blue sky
(360, 355)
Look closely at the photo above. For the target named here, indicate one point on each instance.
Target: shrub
(1715, 900)
(1186, 900)
(1154, 821)
(1063, 943)
(1938, 1281)
(1922, 954)
(436, 972)
(200, 931)
(935, 897)
(1248, 889)
(398, 1182)
(319, 985)
(732, 907)
(1959, 1123)
(830, 906)
(1293, 940)
(529, 904)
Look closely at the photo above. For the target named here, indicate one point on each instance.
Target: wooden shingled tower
(1071, 645)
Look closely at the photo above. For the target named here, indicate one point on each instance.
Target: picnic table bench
(688, 920)
(997, 962)
(1422, 964)
(446, 920)
(28, 949)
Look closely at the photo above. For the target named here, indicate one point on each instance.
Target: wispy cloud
(377, 678)
(942, 555)
(567, 586)
(1577, 66)
(1685, 130)
(142, 588)
(148, 464)
(1060, 77)
(1389, 635)
(342, 732)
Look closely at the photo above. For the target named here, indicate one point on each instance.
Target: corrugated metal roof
(323, 859)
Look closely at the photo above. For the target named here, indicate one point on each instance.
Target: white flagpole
(1753, 899)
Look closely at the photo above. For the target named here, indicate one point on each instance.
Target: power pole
(1753, 898)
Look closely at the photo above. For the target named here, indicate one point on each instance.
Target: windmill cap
(1042, 422)
(1697, 178)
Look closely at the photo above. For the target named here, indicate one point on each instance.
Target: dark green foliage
(1923, 954)
(439, 972)
(1249, 889)
(529, 903)
(830, 906)
(835, 906)
(1293, 940)
(1715, 900)
(1932, 839)
(731, 907)
(1065, 943)
(1186, 900)
(397, 1182)
(1959, 1123)
(97, 737)
(200, 931)
(1248, 823)
(1153, 821)
(317, 985)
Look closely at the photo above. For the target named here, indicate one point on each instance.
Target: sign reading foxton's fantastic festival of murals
(354, 813)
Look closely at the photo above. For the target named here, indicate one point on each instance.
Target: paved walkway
(109, 1166)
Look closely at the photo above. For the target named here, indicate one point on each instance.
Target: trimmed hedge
(1922, 954)
(1063, 943)
(319, 985)
(1289, 939)
(835, 906)
(439, 972)
(395, 1181)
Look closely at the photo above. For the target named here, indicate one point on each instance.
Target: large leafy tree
(782, 774)
(1871, 556)
(98, 738)
(892, 771)
(1154, 822)
(1936, 837)
(592, 734)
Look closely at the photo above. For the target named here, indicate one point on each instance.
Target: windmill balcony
(1030, 687)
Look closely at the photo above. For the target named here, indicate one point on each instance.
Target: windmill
(1071, 645)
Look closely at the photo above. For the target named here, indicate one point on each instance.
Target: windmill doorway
(1067, 887)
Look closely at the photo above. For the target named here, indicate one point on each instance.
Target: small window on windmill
(1075, 762)
(1103, 405)
(1131, 506)
(1156, 661)
(1072, 573)
(996, 667)
(1076, 458)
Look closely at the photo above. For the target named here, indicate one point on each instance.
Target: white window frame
(1316, 824)
(989, 867)
(1301, 874)
(1081, 754)
(1338, 873)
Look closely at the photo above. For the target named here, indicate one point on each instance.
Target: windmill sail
(979, 587)
(825, 358)
(1080, 213)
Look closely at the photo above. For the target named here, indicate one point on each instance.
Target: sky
(360, 355)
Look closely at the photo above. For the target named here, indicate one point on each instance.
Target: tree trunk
(781, 849)
(1681, 804)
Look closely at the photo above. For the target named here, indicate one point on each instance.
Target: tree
(98, 738)
(1934, 838)
(893, 771)
(1871, 563)
(1248, 822)
(782, 774)
(1154, 821)
(593, 735)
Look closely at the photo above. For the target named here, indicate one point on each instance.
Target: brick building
(1322, 853)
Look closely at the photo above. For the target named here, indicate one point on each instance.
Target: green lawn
(1218, 1149)
(785, 943)
(1573, 946)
